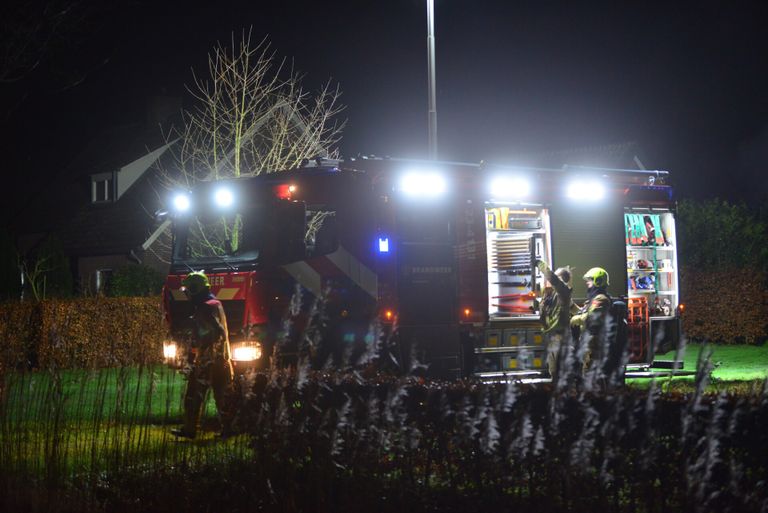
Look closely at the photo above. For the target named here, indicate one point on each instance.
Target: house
(101, 207)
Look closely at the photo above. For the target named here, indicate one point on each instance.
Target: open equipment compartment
(516, 236)
(652, 280)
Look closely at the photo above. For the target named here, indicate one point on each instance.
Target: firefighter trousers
(554, 340)
(216, 375)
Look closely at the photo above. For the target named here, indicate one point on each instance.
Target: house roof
(618, 156)
(110, 227)
(64, 207)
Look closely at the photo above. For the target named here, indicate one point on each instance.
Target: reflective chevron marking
(309, 277)
(227, 293)
(356, 270)
(306, 276)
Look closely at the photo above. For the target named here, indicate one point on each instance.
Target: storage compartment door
(586, 236)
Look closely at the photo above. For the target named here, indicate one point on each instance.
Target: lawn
(101, 419)
(105, 434)
(85, 418)
(737, 368)
(731, 362)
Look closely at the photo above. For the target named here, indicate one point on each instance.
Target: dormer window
(103, 188)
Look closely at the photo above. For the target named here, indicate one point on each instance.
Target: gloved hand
(542, 265)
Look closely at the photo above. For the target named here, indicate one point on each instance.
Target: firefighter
(592, 316)
(556, 308)
(209, 358)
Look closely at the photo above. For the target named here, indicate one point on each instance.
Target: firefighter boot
(193, 406)
(182, 433)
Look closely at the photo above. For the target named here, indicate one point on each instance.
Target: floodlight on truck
(224, 197)
(510, 187)
(421, 184)
(181, 202)
(585, 190)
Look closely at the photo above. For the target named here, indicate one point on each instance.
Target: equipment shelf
(506, 349)
(670, 248)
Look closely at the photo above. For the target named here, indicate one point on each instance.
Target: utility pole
(432, 115)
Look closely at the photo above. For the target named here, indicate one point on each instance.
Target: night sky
(686, 82)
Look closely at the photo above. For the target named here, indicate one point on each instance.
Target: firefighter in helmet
(592, 316)
(209, 357)
(556, 308)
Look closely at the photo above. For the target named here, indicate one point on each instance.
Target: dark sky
(686, 81)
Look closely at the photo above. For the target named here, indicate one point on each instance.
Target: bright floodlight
(247, 352)
(510, 187)
(181, 202)
(223, 197)
(591, 190)
(423, 184)
(170, 350)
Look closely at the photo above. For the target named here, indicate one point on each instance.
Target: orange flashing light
(389, 315)
(467, 313)
(681, 308)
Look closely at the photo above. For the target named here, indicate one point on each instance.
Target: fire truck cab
(444, 252)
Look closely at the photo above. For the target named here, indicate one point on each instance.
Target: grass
(738, 369)
(69, 422)
(108, 432)
(733, 363)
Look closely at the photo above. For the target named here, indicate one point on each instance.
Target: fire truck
(442, 252)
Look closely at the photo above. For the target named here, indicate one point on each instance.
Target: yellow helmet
(196, 282)
(598, 275)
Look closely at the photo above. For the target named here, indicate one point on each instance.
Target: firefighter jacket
(209, 328)
(556, 303)
(592, 314)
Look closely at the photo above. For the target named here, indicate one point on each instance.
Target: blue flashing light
(383, 244)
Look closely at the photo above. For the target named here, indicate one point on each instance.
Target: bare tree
(251, 116)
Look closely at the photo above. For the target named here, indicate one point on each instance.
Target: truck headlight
(247, 352)
(170, 350)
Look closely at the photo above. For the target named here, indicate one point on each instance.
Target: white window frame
(101, 279)
(107, 182)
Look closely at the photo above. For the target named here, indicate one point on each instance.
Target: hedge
(725, 306)
(81, 333)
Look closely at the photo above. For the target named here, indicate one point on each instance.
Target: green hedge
(725, 306)
(81, 333)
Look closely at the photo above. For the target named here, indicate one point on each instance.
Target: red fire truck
(444, 251)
